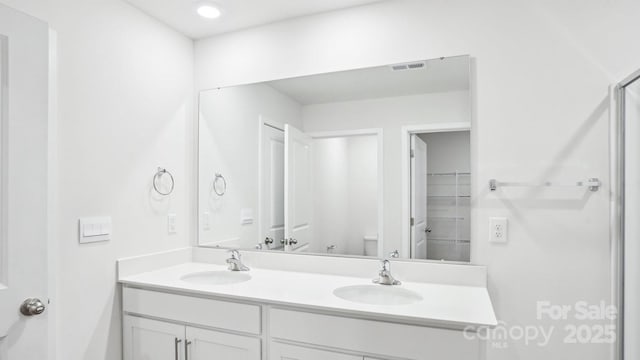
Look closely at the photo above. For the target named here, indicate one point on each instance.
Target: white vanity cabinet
(163, 325)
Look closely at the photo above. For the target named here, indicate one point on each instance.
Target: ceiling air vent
(409, 66)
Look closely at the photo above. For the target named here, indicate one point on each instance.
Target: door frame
(379, 133)
(405, 161)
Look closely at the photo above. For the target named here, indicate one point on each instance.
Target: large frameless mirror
(368, 162)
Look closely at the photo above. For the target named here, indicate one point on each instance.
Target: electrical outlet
(171, 223)
(498, 230)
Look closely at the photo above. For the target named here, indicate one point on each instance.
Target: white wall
(125, 100)
(384, 113)
(448, 151)
(35, 8)
(345, 207)
(229, 139)
(541, 75)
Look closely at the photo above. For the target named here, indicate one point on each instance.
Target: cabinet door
(280, 351)
(212, 345)
(149, 339)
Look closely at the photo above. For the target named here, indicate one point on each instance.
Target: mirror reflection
(368, 162)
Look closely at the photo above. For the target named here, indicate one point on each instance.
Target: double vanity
(200, 303)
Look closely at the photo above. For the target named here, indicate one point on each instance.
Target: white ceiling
(439, 75)
(236, 14)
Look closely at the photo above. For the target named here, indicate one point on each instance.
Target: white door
(23, 183)
(280, 351)
(208, 345)
(272, 187)
(418, 198)
(145, 339)
(297, 183)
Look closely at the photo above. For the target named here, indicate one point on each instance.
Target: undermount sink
(377, 295)
(216, 277)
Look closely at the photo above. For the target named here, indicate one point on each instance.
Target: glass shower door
(629, 100)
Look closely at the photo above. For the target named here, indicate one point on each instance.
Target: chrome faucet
(384, 276)
(235, 262)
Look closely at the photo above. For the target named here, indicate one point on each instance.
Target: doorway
(437, 193)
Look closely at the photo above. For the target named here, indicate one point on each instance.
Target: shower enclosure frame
(618, 206)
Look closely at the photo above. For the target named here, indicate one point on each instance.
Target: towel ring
(215, 184)
(158, 176)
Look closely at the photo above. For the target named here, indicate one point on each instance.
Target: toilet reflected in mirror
(370, 245)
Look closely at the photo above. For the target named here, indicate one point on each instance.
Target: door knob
(428, 229)
(32, 306)
(292, 241)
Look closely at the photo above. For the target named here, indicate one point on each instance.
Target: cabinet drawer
(372, 337)
(193, 310)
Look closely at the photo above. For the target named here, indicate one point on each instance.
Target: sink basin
(377, 295)
(216, 277)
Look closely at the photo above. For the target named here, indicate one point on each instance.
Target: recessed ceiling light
(209, 11)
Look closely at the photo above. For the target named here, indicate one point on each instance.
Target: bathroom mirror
(367, 162)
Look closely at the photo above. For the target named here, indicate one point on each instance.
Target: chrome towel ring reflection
(219, 179)
(156, 178)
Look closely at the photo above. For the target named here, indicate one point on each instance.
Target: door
(297, 183)
(23, 184)
(272, 187)
(279, 351)
(145, 339)
(208, 345)
(418, 198)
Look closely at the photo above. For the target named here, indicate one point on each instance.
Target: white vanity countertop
(450, 306)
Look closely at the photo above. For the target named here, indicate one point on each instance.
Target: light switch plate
(498, 230)
(94, 229)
